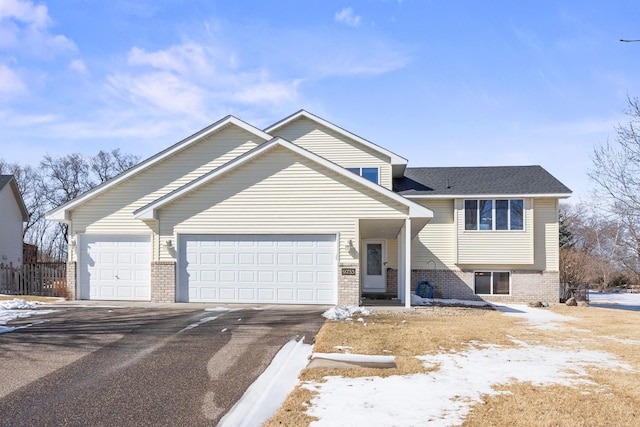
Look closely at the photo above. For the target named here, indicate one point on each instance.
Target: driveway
(141, 364)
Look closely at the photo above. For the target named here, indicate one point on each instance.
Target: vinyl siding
(434, 246)
(547, 239)
(336, 148)
(111, 212)
(10, 228)
(495, 247)
(436, 241)
(279, 192)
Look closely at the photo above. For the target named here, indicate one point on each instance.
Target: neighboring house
(13, 214)
(307, 212)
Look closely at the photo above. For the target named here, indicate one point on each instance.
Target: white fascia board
(59, 213)
(490, 196)
(148, 211)
(394, 158)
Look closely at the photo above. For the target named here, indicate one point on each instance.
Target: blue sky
(442, 83)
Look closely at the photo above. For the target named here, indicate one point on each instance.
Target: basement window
(492, 282)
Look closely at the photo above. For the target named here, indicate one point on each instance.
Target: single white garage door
(114, 267)
(283, 269)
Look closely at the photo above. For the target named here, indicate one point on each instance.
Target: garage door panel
(228, 294)
(305, 295)
(299, 268)
(285, 276)
(114, 267)
(227, 276)
(285, 294)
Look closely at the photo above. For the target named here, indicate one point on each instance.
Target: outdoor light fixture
(349, 245)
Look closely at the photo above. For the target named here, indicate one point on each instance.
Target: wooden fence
(43, 278)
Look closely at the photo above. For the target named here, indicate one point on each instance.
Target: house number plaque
(348, 271)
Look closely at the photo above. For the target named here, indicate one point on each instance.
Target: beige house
(305, 212)
(13, 215)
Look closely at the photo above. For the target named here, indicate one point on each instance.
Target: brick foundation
(72, 268)
(526, 285)
(163, 281)
(349, 286)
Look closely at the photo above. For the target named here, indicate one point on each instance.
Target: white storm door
(374, 278)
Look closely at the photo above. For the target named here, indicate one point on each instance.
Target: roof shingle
(495, 180)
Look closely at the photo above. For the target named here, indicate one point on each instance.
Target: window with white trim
(372, 174)
(492, 282)
(498, 214)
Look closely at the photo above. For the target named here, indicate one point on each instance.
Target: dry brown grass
(30, 298)
(611, 399)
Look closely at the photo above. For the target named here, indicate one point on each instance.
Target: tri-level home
(305, 212)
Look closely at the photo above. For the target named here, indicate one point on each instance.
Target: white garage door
(115, 267)
(283, 269)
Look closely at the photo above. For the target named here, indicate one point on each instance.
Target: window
(369, 173)
(492, 282)
(502, 214)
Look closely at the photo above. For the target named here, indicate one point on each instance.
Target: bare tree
(616, 173)
(106, 165)
(57, 181)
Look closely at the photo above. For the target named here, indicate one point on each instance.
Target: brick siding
(163, 281)
(72, 268)
(526, 285)
(349, 286)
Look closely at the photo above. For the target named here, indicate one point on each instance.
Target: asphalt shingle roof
(4, 179)
(494, 180)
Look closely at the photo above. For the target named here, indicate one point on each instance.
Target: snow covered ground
(461, 378)
(18, 309)
(614, 298)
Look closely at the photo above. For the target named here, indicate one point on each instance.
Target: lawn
(569, 366)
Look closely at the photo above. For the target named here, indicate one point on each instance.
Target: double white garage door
(266, 269)
(285, 269)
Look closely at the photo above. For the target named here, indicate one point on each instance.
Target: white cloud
(25, 11)
(269, 92)
(78, 66)
(346, 16)
(24, 27)
(161, 90)
(10, 81)
(185, 58)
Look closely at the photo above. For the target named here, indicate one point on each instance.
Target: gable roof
(398, 163)
(148, 211)
(60, 213)
(530, 181)
(9, 180)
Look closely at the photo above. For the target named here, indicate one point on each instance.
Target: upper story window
(499, 214)
(372, 174)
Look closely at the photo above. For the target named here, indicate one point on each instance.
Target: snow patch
(198, 323)
(417, 300)
(265, 396)
(445, 396)
(18, 308)
(344, 312)
(537, 318)
(620, 298)
(18, 304)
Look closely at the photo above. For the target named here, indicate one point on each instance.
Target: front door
(374, 278)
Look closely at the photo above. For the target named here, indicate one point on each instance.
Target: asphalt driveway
(140, 364)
